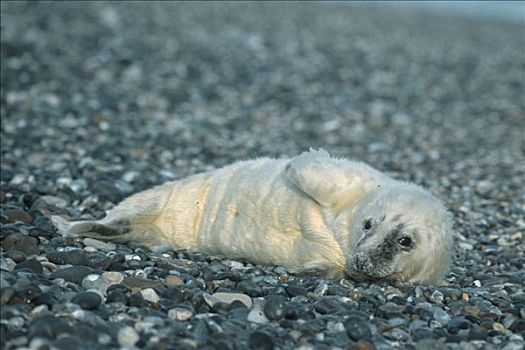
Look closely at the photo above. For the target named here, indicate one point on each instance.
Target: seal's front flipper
(322, 178)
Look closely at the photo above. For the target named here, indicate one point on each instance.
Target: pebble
(456, 324)
(55, 201)
(20, 242)
(256, 315)
(87, 300)
(16, 255)
(261, 341)
(76, 257)
(127, 337)
(274, 307)
(138, 284)
(73, 274)
(227, 298)
(437, 297)
(180, 314)
(173, 281)
(17, 215)
(150, 295)
(440, 315)
(358, 328)
(31, 264)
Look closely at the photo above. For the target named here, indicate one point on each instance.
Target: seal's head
(400, 234)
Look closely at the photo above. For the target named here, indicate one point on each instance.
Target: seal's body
(308, 212)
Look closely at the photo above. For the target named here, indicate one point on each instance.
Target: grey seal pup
(310, 212)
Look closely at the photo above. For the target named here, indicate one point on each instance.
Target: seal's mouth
(361, 276)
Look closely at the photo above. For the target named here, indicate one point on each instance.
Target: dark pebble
(69, 342)
(117, 266)
(422, 333)
(115, 296)
(327, 305)
(99, 261)
(175, 294)
(48, 327)
(261, 341)
(477, 333)
(22, 243)
(518, 326)
(56, 257)
(358, 328)
(232, 276)
(15, 215)
(87, 300)
(136, 299)
(76, 257)
(45, 299)
(390, 310)
(296, 291)
(31, 264)
(249, 287)
(73, 274)
(278, 290)
(16, 255)
(6, 294)
(274, 307)
(457, 324)
(106, 190)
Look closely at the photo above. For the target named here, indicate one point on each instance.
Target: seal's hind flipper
(132, 220)
(116, 231)
(120, 231)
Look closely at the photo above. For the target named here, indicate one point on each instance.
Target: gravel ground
(100, 100)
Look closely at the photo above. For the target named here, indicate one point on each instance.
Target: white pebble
(257, 316)
(477, 283)
(180, 314)
(127, 337)
(227, 298)
(150, 295)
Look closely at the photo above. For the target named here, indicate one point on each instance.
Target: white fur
(301, 213)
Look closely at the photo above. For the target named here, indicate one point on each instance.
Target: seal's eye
(405, 241)
(367, 225)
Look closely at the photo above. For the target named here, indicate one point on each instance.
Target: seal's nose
(360, 261)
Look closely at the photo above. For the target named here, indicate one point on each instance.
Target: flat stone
(173, 281)
(87, 300)
(76, 257)
(257, 316)
(227, 298)
(137, 284)
(73, 274)
(20, 242)
(180, 313)
(31, 264)
(150, 295)
(18, 215)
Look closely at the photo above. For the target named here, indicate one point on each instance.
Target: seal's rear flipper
(133, 220)
(116, 231)
(121, 231)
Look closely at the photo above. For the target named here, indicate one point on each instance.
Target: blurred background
(124, 95)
